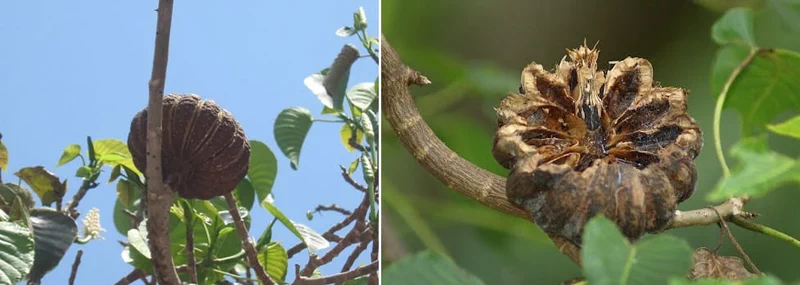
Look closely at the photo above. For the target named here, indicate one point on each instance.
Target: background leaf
(282, 218)
(263, 169)
(789, 128)
(769, 86)
(44, 183)
(9, 193)
(53, 234)
(735, 27)
(16, 244)
(608, 258)
(291, 128)
(427, 268)
(765, 280)
(273, 257)
(71, 152)
(759, 170)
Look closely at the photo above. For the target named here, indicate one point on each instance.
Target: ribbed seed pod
(581, 142)
(205, 152)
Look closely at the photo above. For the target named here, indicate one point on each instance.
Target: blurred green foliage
(473, 52)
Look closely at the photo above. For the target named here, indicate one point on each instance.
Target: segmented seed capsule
(581, 142)
(205, 152)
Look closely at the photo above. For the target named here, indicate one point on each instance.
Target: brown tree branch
(159, 197)
(72, 204)
(330, 235)
(352, 182)
(337, 278)
(333, 208)
(247, 245)
(190, 262)
(75, 265)
(137, 274)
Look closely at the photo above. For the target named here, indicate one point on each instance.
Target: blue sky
(77, 68)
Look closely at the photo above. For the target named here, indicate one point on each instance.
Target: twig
(337, 278)
(352, 182)
(315, 262)
(75, 267)
(721, 102)
(334, 208)
(190, 262)
(247, 245)
(137, 274)
(351, 259)
(747, 224)
(159, 197)
(738, 247)
(76, 199)
(331, 232)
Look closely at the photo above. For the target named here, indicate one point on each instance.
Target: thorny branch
(474, 182)
(159, 197)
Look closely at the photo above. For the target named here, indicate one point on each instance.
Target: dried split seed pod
(581, 142)
(204, 150)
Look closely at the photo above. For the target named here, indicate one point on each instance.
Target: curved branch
(447, 166)
(247, 245)
(159, 197)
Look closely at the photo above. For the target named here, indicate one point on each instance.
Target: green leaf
(53, 233)
(9, 193)
(346, 31)
(353, 166)
(734, 28)
(759, 171)
(127, 192)
(346, 135)
(362, 95)
(138, 241)
(427, 268)
(114, 152)
(263, 168)
(335, 81)
(267, 204)
(369, 131)
(767, 87)
(314, 82)
(71, 152)
(3, 156)
(275, 260)
(245, 193)
(789, 128)
(291, 128)
(115, 172)
(17, 247)
(764, 280)
(83, 172)
(44, 183)
(608, 258)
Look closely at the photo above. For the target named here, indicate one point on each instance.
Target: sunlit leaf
(263, 168)
(314, 83)
(735, 27)
(767, 87)
(138, 240)
(3, 156)
(789, 128)
(17, 247)
(267, 204)
(115, 172)
(758, 171)
(346, 136)
(274, 259)
(362, 95)
(114, 152)
(427, 268)
(291, 128)
(53, 234)
(71, 152)
(46, 184)
(313, 240)
(360, 19)
(353, 166)
(346, 31)
(608, 258)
